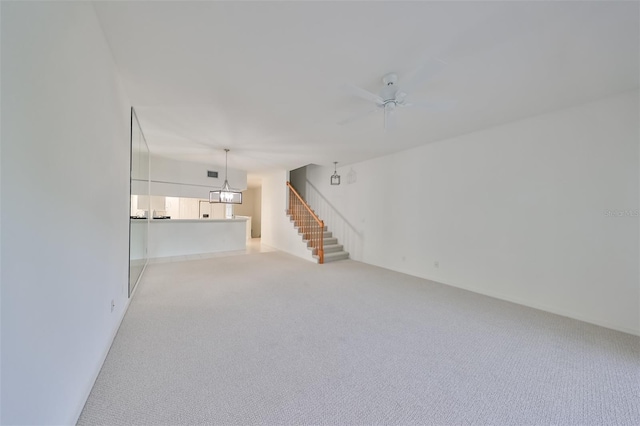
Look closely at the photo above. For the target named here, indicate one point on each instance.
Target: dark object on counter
(162, 217)
(205, 216)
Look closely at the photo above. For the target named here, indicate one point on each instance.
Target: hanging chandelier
(226, 195)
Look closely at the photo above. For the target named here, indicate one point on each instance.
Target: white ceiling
(265, 79)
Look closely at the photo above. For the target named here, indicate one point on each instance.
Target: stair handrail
(316, 237)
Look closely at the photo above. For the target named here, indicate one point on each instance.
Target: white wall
(322, 196)
(298, 179)
(257, 213)
(187, 179)
(251, 206)
(248, 204)
(517, 211)
(256, 216)
(277, 230)
(65, 208)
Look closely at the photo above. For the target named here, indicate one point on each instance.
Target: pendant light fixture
(225, 195)
(335, 177)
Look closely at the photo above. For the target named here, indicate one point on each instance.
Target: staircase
(323, 245)
(332, 250)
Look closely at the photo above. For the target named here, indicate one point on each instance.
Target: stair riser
(297, 225)
(330, 243)
(333, 257)
(326, 242)
(311, 222)
(326, 234)
(333, 249)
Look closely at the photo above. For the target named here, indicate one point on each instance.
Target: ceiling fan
(393, 96)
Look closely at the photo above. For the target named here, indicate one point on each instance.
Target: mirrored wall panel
(140, 205)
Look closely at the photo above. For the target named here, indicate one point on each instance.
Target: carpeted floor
(271, 339)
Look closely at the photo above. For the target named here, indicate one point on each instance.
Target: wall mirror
(140, 206)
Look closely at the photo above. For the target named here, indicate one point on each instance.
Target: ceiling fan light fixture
(393, 95)
(226, 194)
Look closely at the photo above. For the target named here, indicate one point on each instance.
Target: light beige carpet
(272, 339)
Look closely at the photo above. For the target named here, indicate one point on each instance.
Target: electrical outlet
(436, 264)
(113, 305)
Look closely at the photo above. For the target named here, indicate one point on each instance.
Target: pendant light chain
(226, 162)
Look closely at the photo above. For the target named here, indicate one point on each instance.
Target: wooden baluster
(321, 242)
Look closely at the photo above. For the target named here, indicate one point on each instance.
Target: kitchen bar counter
(179, 237)
(237, 219)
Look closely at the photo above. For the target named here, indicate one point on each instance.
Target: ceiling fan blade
(425, 72)
(432, 105)
(357, 117)
(364, 94)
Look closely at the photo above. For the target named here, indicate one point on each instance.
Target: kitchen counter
(179, 237)
(237, 219)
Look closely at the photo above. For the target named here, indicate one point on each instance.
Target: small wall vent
(212, 174)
